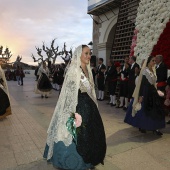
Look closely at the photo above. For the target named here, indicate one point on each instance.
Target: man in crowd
(132, 76)
(111, 75)
(161, 72)
(17, 73)
(100, 79)
(124, 84)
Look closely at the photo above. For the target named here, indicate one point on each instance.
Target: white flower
(166, 19)
(152, 17)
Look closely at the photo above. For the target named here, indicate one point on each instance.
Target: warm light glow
(16, 48)
(21, 30)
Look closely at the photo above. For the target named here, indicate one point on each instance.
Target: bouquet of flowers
(73, 123)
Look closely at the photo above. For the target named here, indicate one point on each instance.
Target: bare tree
(52, 52)
(49, 52)
(39, 52)
(36, 60)
(6, 55)
(1, 50)
(55, 51)
(67, 54)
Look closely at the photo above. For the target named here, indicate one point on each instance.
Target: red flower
(163, 45)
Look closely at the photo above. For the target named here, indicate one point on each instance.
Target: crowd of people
(117, 80)
(16, 75)
(49, 78)
(143, 92)
(76, 125)
(120, 83)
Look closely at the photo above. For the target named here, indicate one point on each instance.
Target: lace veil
(67, 103)
(42, 70)
(2, 75)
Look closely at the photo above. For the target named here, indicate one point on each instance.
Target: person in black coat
(167, 96)
(111, 78)
(161, 72)
(124, 84)
(100, 79)
(93, 69)
(132, 76)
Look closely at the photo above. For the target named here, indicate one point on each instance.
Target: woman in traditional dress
(5, 108)
(123, 92)
(167, 98)
(151, 115)
(88, 147)
(44, 85)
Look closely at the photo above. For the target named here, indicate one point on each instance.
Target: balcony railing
(98, 7)
(94, 3)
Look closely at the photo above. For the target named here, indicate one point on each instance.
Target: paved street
(23, 135)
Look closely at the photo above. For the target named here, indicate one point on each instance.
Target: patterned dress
(91, 143)
(5, 108)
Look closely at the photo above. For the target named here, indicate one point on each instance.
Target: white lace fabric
(5, 86)
(87, 85)
(151, 77)
(42, 70)
(67, 102)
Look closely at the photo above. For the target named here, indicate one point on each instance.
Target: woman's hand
(140, 99)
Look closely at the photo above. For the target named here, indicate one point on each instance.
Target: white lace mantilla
(67, 102)
(151, 77)
(57, 130)
(87, 86)
(43, 70)
(4, 86)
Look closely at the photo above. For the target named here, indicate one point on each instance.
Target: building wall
(95, 35)
(103, 34)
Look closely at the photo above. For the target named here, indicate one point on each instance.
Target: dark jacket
(132, 75)
(17, 72)
(99, 73)
(111, 74)
(161, 73)
(22, 74)
(125, 72)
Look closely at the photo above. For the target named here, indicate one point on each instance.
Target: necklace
(87, 75)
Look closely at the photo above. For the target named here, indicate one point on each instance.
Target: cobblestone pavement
(23, 135)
